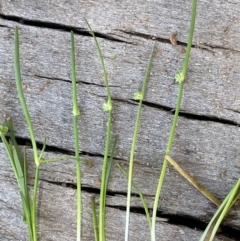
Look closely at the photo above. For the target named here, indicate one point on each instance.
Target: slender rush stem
(233, 194)
(79, 195)
(141, 196)
(222, 211)
(103, 180)
(34, 204)
(190, 37)
(164, 167)
(101, 59)
(94, 216)
(108, 108)
(21, 96)
(30, 128)
(180, 78)
(76, 113)
(134, 140)
(109, 167)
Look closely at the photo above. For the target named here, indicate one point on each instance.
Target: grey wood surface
(207, 138)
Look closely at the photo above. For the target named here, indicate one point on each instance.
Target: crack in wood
(235, 111)
(205, 47)
(186, 221)
(173, 219)
(4, 26)
(60, 27)
(78, 81)
(191, 116)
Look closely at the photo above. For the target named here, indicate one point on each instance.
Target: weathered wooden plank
(56, 212)
(210, 89)
(44, 94)
(154, 130)
(208, 150)
(217, 21)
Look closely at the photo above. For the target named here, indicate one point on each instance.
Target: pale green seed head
(76, 112)
(138, 95)
(107, 106)
(179, 77)
(3, 129)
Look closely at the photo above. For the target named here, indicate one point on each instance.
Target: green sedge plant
(94, 218)
(76, 113)
(93, 204)
(107, 107)
(19, 163)
(137, 96)
(100, 235)
(19, 166)
(22, 100)
(180, 78)
(221, 213)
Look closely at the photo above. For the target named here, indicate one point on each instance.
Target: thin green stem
(103, 180)
(34, 204)
(111, 160)
(10, 154)
(226, 208)
(140, 96)
(101, 59)
(42, 151)
(19, 166)
(19, 170)
(140, 194)
(108, 108)
(190, 37)
(94, 216)
(30, 128)
(180, 78)
(21, 95)
(221, 212)
(109, 166)
(79, 195)
(27, 196)
(164, 167)
(28, 215)
(76, 113)
(13, 139)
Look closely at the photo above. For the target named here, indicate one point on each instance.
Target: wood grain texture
(56, 210)
(217, 20)
(207, 138)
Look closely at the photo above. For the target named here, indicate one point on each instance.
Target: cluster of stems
(19, 162)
